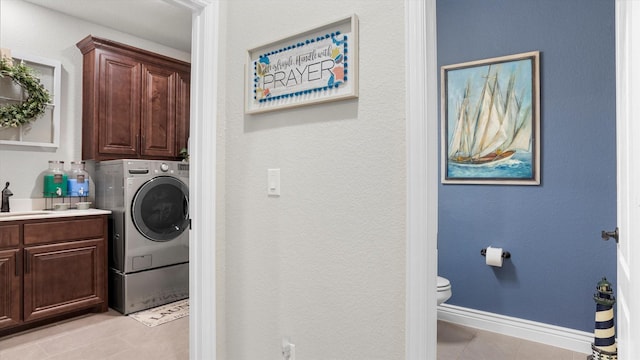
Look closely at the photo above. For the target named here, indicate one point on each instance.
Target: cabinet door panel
(119, 107)
(63, 277)
(158, 115)
(9, 289)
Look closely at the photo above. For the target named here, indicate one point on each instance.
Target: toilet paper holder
(505, 254)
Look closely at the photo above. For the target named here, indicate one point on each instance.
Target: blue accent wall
(552, 230)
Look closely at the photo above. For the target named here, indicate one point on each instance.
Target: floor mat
(162, 314)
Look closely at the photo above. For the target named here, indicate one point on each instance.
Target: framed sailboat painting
(491, 121)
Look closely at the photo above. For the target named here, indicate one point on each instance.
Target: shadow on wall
(331, 111)
(507, 274)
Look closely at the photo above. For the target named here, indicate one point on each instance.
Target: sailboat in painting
(492, 129)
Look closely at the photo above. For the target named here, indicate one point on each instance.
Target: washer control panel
(135, 168)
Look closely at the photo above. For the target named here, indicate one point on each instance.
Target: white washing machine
(149, 231)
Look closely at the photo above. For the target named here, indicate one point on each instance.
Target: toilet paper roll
(494, 256)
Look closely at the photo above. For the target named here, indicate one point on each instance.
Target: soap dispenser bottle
(78, 180)
(55, 180)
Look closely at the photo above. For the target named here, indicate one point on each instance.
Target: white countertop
(49, 214)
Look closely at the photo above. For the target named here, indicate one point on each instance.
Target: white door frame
(628, 175)
(422, 177)
(202, 176)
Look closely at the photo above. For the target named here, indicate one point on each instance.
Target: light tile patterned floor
(103, 336)
(456, 342)
(113, 336)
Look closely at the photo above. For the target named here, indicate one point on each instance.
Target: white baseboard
(570, 339)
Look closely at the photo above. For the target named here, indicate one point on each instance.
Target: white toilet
(444, 290)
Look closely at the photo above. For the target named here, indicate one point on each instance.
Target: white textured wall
(323, 264)
(50, 34)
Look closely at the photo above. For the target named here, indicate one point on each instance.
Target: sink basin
(19, 214)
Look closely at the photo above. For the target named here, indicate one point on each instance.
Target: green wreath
(36, 103)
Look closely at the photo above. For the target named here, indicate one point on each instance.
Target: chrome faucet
(6, 193)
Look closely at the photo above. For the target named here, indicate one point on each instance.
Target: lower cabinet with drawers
(51, 269)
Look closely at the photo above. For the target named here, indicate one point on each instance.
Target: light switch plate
(273, 182)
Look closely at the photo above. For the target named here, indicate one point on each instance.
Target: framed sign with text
(314, 66)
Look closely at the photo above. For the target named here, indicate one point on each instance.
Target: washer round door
(160, 208)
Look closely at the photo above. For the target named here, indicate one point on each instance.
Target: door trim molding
(202, 176)
(422, 179)
(628, 175)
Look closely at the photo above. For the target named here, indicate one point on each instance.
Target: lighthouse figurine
(604, 342)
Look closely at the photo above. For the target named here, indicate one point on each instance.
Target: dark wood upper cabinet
(135, 103)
